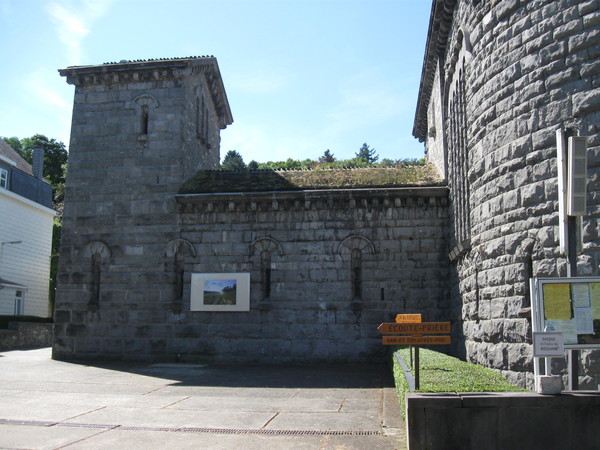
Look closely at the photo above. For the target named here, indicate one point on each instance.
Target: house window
(19, 303)
(4, 178)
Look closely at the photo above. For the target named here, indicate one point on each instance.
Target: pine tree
(233, 161)
(368, 154)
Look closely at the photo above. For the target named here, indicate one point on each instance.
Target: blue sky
(301, 76)
(218, 285)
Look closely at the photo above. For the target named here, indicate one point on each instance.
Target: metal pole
(572, 272)
(416, 368)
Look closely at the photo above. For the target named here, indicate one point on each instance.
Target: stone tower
(139, 130)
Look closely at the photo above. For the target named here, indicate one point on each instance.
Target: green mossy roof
(215, 181)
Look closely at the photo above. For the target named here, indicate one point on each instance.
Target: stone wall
(529, 69)
(313, 311)
(502, 420)
(135, 138)
(24, 335)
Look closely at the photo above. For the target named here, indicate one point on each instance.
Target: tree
(233, 161)
(55, 157)
(368, 154)
(15, 143)
(253, 165)
(55, 161)
(327, 157)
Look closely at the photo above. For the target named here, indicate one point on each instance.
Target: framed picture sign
(220, 292)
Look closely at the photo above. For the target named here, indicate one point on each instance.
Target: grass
(294, 180)
(442, 373)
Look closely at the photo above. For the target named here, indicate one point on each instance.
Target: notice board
(570, 306)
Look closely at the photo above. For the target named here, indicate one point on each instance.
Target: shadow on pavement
(343, 376)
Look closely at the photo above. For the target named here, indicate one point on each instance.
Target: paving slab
(52, 404)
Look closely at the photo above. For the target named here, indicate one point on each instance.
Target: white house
(26, 219)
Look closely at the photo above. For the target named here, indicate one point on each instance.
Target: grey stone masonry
(518, 70)
(311, 312)
(326, 266)
(139, 130)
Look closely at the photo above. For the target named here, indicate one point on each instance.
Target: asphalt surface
(47, 404)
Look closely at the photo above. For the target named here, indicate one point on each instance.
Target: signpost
(416, 340)
(408, 318)
(415, 333)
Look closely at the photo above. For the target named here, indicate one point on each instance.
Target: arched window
(144, 103)
(356, 246)
(175, 252)
(265, 248)
(98, 252)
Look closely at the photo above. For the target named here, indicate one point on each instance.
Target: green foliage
(55, 157)
(327, 157)
(15, 143)
(368, 154)
(442, 373)
(253, 165)
(55, 250)
(317, 178)
(55, 160)
(288, 164)
(233, 161)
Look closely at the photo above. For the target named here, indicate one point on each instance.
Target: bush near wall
(442, 373)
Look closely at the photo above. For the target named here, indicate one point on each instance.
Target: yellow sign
(595, 298)
(415, 328)
(557, 301)
(402, 318)
(416, 340)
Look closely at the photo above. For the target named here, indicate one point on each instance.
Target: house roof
(8, 154)
(215, 181)
(440, 22)
(11, 284)
(110, 72)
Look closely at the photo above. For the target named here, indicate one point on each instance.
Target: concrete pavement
(46, 404)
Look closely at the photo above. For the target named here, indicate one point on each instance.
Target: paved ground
(46, 404)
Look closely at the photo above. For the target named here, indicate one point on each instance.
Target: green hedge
(442, 373)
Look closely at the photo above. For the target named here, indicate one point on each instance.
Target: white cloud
(73, 23)
(46, 93)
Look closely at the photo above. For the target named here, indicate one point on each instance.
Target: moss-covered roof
(216, 181)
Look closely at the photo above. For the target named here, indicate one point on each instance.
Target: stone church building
(319, 259)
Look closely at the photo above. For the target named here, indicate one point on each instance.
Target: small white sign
(548, 344)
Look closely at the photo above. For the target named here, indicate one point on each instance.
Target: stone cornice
(155, 70)
(440, 23)
(425, 196)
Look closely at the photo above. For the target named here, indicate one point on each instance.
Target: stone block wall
(131, 149)
(312, 313)
(25, 335)
(530, 68)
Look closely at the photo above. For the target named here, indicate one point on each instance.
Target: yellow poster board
(570, 306)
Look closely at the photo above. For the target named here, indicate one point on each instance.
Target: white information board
(570, 306)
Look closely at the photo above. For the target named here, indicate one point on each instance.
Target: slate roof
(216, 181)
(8, 152)
(440, 22)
